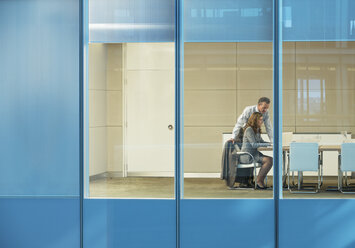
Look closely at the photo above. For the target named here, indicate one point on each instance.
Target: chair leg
(319, 180)
(347, 189)
(300, 179)
(288, 178)
(346, 179)
(340, 178)
(300, 182)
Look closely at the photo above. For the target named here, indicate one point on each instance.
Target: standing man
(262, 107)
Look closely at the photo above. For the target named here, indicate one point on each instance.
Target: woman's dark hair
(253, 122)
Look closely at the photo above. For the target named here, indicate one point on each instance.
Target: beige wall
(114, 72)
(97, 109)
(222, 78)
(105, 108)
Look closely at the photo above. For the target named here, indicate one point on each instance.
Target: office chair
(346, 163)
(253, 164)
(303, 157)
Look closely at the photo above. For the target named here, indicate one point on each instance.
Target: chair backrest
(347, 157)
(303, 156)
(287, 138)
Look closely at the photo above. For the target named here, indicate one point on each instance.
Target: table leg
(321, 167)
(340, 177)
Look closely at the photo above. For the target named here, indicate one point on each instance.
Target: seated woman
(251, 142)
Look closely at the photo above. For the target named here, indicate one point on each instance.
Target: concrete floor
(160, 187)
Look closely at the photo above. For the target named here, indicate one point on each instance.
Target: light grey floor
(160, 187)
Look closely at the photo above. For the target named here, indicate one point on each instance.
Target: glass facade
(227, 59)
(173, 123)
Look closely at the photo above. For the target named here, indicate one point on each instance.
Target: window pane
(228, 66)
(318, 93)
(131, 98)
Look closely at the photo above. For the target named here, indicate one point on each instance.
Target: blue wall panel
(39, 97)
(317, 223)
(95, 225)
(227, 223)
(227, 20)
(305, 20)
(39, 223)
(128, 223)
(131, 21)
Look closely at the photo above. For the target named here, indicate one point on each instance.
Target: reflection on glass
(131, 105)
(226, 20)
(131, 21)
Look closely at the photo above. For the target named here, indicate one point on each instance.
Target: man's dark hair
(264, 99)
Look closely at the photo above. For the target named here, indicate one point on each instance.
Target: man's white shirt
(243, 119)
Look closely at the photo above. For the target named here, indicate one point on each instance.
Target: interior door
(149, 107)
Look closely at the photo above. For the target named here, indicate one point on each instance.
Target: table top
(321, 148)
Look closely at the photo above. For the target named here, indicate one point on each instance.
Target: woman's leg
(265, 168)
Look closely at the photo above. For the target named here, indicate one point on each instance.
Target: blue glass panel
(39, 97)
(228, 20)
(40, 223)
(129, 223)
(317, 223)
(131, 21)
(227, 223)
(318, 20)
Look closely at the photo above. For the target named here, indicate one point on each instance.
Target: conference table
(286, 149)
